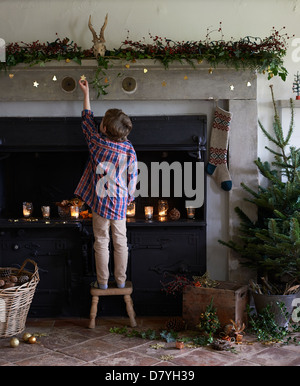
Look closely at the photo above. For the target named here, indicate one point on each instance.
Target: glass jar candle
(148, 212)
(45, 211)
(162, 208)
(74, 211)
(130, 212)
(190, 212)
(27, 209)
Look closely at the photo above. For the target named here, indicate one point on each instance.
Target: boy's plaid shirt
(109, 180)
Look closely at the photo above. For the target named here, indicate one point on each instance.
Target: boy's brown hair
(118, 125)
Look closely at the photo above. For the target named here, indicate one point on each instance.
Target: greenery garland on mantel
(261, 55)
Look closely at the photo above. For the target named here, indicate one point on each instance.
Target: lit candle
(46, 211)
(190, 213)
(162, 207)
(162, 218)
(130, 209)
(74, 210)
(148, 212)
(27, 209)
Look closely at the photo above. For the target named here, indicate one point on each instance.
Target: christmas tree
(271, 244)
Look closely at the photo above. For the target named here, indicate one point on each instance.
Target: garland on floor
(261, 55)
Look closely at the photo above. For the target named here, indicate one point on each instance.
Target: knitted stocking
(217, 164)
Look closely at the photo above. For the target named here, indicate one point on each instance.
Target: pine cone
(175, 324)
(174, 214)
(23, 279)
(5, 272)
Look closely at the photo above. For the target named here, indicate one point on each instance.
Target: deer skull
(99, 46)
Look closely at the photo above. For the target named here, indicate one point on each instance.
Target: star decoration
(145, 70)
(127, 65)
(231, 87)
(54, 78)
(82, 77)
(11, 75)
(164, 83)
(35, 84)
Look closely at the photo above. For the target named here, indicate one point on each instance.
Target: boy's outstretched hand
(84, 85)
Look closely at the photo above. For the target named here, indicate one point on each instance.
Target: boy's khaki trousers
(101, 228)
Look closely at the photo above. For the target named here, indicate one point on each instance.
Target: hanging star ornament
(35, 84)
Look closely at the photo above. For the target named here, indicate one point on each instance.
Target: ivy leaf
(77, 60)
(169, 336)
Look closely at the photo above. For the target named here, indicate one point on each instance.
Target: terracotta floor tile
(126, 358)
(153, 349)
(51, 359)
(200, 357)
(274, 356)
(61, 338)
(91, 350)
(241, 362)
(24, 350)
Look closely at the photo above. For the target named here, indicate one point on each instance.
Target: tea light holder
(130, 212)
(162, 208)
(148, 212)
(74, 211)
(27, 209)
(45, 211)
(190, 212)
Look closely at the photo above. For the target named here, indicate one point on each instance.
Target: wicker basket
(15, 301)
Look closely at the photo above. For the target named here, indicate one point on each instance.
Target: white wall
(31, 20)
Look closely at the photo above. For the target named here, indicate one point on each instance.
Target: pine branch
(291, 127)
(267, 134)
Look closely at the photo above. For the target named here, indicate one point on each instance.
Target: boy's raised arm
(83, 84)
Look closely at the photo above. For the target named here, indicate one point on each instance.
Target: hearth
(41, 161)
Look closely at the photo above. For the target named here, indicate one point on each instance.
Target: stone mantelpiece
(180, 83)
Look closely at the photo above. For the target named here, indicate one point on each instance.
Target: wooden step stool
(110, 291)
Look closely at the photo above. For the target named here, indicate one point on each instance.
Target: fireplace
(180, 90)
(41, 161)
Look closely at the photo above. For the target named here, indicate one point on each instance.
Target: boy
(107, 186)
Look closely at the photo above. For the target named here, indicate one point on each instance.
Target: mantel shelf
(142, 80)
(285, 103)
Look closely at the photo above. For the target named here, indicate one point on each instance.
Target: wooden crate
(229, 299)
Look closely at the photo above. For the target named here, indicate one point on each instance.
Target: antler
(99, 47)
(101, 38)
(95, 38)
